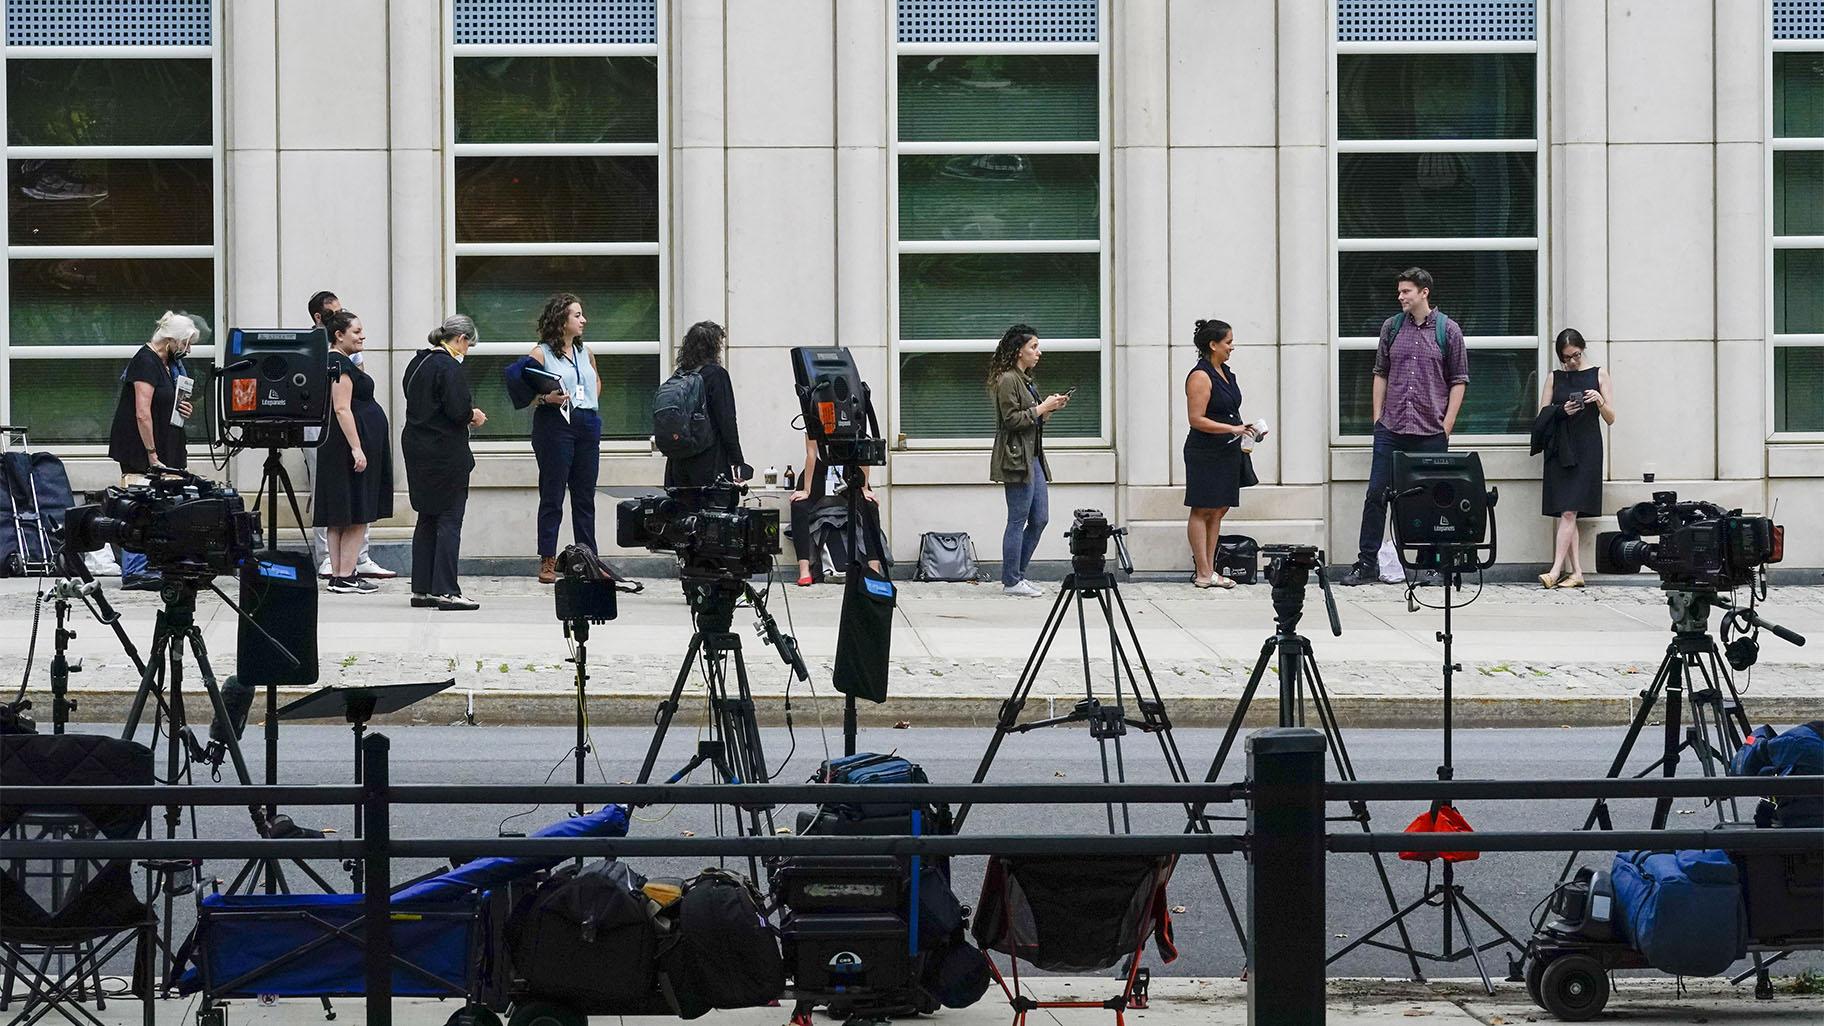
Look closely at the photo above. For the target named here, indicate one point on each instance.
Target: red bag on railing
(1445, 819)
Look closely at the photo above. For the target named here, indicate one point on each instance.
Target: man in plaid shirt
(1418, 389)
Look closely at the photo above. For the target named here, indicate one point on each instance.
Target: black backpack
(726, 955)
(680, 416)
(587, 938)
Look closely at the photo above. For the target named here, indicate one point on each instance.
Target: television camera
(712, 534)
(1702, 546)
(185, 525)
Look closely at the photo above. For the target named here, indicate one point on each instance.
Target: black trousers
(436, 547)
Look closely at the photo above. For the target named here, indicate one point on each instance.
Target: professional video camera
(1089, 536)
(838, 408)
(709, 529)
(1702, 546)
(185, 525)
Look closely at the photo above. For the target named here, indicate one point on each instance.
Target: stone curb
(552, 708)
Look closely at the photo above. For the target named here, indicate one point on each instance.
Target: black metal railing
(1285, 840)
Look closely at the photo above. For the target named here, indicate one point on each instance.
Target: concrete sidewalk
(1530, 657)
(1175, 1002)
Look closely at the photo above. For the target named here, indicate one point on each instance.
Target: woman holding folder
(566, 429)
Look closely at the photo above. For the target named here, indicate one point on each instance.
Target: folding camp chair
(1073, 913)
(58, 947)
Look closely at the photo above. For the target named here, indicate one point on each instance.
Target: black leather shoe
(1359, 574)
(456, 603)
(423, 601)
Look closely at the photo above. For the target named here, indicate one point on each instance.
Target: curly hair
(702, 345)
(551, 319)
(1007, 351)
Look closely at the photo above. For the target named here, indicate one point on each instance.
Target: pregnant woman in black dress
(355, 465)
(1579, 395)
(1212, 447)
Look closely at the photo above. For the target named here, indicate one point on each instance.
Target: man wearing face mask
(143, 434)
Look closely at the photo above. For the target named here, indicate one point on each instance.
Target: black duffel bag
(725, 954)
(585, 938)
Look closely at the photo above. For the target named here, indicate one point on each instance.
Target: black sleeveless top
(1224, 408)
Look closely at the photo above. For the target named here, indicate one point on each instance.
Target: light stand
(1288, 570)
(77, 584)
(1443, 510)
(1091, 580)
(584, 595)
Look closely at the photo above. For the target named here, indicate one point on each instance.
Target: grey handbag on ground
(946, 556)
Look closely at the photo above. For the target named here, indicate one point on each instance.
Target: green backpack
(1442, 322)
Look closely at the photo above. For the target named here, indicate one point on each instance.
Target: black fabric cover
(586, 939)
(105, 905)
(864, 642)
(34, 496)
(76, 760)
(726, 955)
(1075, 913)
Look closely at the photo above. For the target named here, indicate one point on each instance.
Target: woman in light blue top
(566, 430)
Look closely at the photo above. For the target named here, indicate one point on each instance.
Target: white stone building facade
(907, 177)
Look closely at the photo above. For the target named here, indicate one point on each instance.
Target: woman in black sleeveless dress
(1581, 397)
(1212, 448)
(354, 465)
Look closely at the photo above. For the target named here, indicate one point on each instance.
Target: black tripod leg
(668, 708)
(1089, 692)
(1674, 719)
(216, 704)
(1599, 809)
(1116, 659)
(1168, 745)
(1345, 767)
(1453, 904)
(148, 679)
(751, 757)
(1233, 732)
(1010, 709)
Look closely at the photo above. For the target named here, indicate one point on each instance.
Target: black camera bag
(1238, 558)
(586, 939)
(726, 955)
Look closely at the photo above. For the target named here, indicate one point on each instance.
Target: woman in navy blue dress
(1212, 447)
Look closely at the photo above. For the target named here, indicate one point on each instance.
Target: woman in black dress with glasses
(1581, 401)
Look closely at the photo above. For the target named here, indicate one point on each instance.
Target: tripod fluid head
(1289, 569)
(713, 598)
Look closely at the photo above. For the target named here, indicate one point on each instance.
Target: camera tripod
(1691, 675)
(1090, 580)
(1288, 571)
(732, 750)
(76, 584)
(1449, 561)
(161, 684)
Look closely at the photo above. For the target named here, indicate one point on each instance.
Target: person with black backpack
(693, 414)
(1421, 370)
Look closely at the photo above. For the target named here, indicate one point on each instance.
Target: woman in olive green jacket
(1018, 462)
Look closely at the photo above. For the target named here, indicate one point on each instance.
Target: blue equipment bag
(1682, 910)
(1796, 752)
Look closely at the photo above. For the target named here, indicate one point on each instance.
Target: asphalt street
(1507, 885)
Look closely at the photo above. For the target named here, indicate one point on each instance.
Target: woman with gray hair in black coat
(439, 411)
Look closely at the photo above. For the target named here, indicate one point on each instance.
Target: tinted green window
(103, 302)
(1798, 388)
(1798, 291)
(1798, 95)
(1000, 97)
(1435, 96)
(557, 99)
(1486, 293)
(557, 199)
(999, 196)
(980, 295)
(628, 381)
(66, 402)
(1502, 397)
(108, 102)
(109, 202)
(945, 395)
(620, 295)
(1798, 192)
(1436, 195)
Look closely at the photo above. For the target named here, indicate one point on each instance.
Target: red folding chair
(1074, 913)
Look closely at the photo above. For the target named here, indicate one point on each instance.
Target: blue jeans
(1028, 511)
(568, 454)
(132, 564)
(1380, 477)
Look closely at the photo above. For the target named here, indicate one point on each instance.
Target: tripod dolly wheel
(1574, 987)
(1535, 968)
(547, 1013)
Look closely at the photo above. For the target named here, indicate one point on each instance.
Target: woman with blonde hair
(143, 435)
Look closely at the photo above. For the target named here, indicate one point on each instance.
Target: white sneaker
(323, 569)
(369, 568)
(1022, 589)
